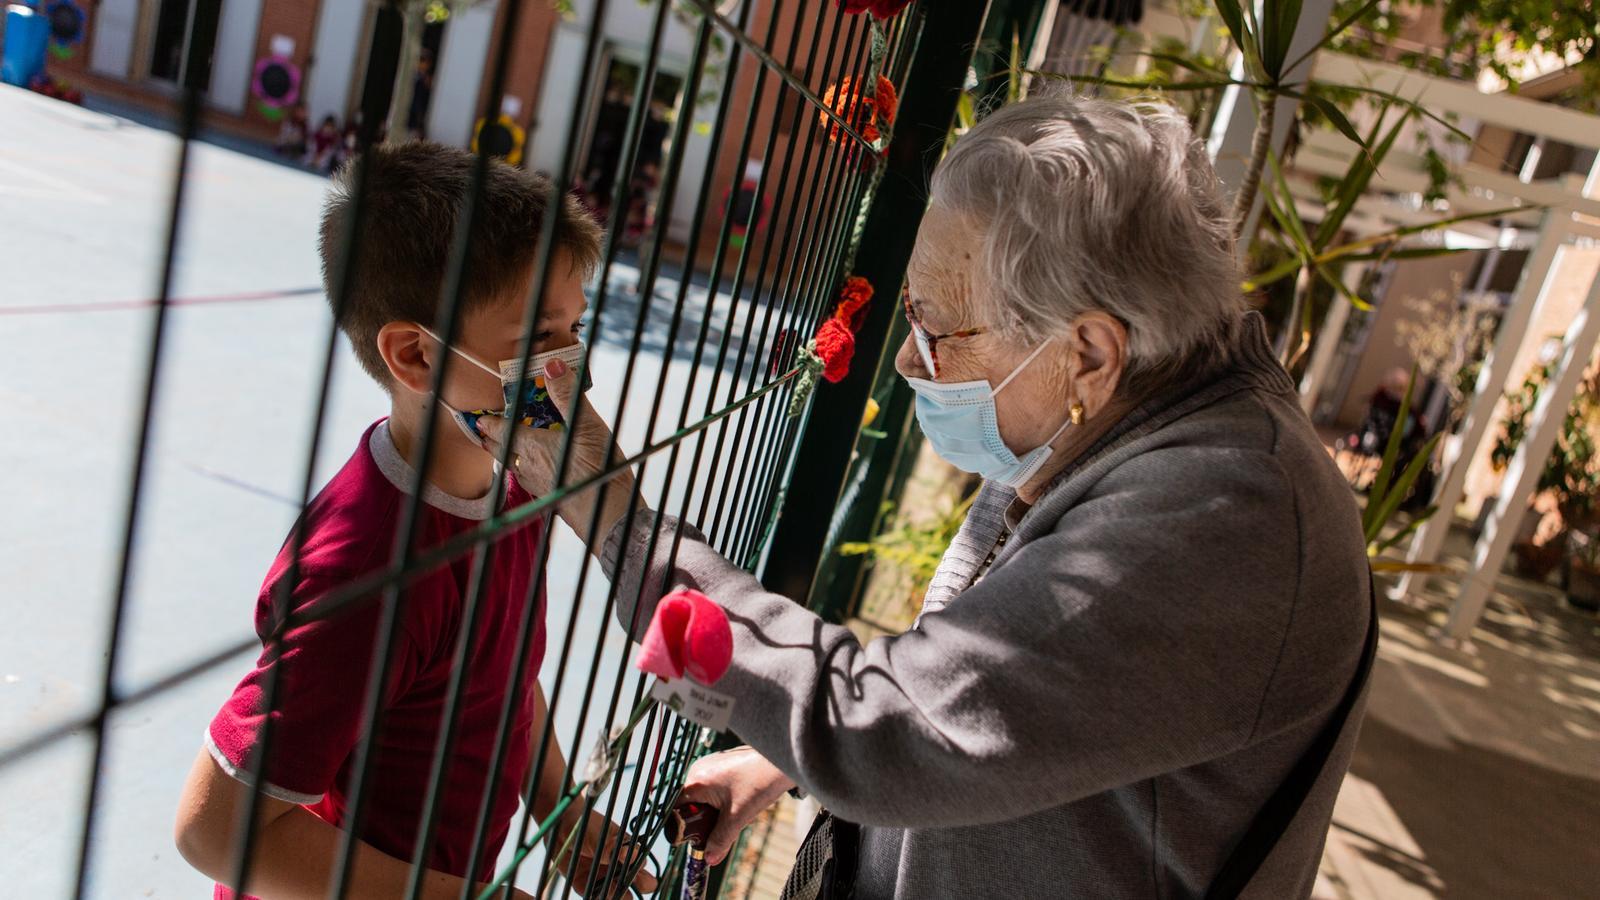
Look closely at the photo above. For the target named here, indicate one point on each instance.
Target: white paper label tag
(695, 702)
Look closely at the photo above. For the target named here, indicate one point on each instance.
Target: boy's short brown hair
(415, 194)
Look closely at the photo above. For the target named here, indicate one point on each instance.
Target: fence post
(883, 463)
(944, 52)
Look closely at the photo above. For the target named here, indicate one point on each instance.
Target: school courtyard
(1477, 776)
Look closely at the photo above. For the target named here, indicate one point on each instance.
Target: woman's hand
(740, 783)
(536, 455)
(595, 855)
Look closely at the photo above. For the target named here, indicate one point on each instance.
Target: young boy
(412, 210)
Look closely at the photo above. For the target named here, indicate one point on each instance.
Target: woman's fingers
(561, 382)
(496, 430)
(732, 817)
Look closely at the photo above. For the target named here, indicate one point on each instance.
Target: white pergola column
(1234, 125)
(1329, 336)
(1537, 281)
(1522, 475)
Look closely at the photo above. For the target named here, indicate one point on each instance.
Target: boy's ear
(409, 353)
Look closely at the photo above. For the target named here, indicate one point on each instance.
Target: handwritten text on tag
(695, 702)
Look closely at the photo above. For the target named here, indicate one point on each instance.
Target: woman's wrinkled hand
(536, 456)
(740, 783)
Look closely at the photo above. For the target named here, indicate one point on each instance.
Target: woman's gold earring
(1076, 411)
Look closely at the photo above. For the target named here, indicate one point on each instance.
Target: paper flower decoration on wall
(67, 27)
(503, 138)
(276, 85)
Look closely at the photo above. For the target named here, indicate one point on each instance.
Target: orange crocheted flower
(865, 114)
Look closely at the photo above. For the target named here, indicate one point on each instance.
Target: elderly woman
(1134, 670)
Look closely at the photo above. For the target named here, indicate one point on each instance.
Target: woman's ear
(409, 353)
(1099, 356)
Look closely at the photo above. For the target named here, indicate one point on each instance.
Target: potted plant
(1565, 497)
(1582, 575)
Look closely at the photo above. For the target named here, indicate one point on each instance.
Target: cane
(691, 823)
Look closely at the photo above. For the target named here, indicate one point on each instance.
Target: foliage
(1389, 490)
(1497, 35)
(1448, 340)
(1572, 473)
(914, 549)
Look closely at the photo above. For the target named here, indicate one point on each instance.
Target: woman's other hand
(536, 456)
(740, 783)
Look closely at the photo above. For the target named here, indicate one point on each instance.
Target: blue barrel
(27, 37)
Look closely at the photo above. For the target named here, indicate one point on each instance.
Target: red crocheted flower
(689, 633)
(853, 298)
(835, 344)
(883, 9)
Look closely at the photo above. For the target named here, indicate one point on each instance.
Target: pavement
(1477, 774)
(84, 200)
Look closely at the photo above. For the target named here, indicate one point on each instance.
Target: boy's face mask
(537, 409)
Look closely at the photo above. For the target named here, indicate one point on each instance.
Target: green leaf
(1380, 482)
(1402, 487)
(1288, 217)
(1273, 275)
(1277, 31)
(1182, 62)
(1356, 178)
(965, 114)
(1206, 85)
(1411, 104)
(1335, 31)
(1336, 116)
(1342, 289)
(1400, 535)
(1345, 250)
(1233, 17)
(1401, 253)
(1014, 85)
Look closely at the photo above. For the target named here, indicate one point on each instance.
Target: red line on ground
(111, 305)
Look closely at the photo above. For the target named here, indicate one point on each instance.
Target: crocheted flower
(853, 298)
(835, 344)
(883, 9)
(863, 113)
(689, 633)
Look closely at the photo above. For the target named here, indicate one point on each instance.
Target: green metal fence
(761, 483)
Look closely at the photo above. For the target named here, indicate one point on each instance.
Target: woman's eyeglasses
(927, 342)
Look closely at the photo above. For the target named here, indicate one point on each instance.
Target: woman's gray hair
(1098, 205)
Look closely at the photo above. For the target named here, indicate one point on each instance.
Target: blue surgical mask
(959, 420)
(537, 408)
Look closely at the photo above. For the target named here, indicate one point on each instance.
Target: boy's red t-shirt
(322, 683)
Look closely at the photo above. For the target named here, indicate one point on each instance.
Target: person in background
(292, 134)
(325, 144)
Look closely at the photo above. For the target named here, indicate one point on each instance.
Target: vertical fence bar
(197, 63)
(452, 290)
(531, 606)
(933, 85)
(378, 86)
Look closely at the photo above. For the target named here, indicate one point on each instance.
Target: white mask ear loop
(1059, 431)
(1018, 370)
(461, 353)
